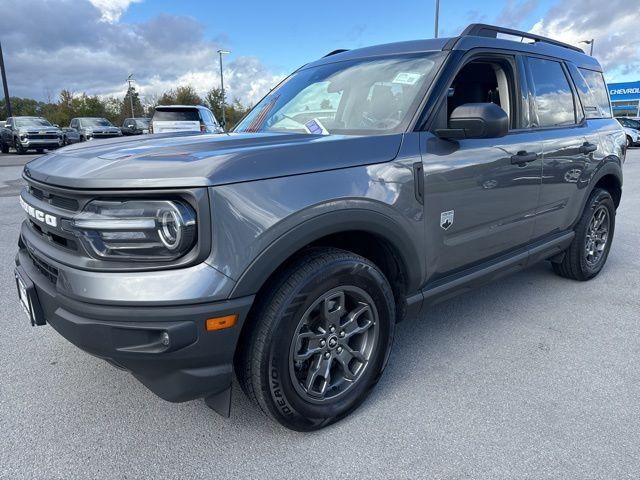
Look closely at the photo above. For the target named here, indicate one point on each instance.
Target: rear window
(593, 94)
(176, 115)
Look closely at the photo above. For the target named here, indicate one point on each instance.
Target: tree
(125, 107)
(233, 112)
(183, 95)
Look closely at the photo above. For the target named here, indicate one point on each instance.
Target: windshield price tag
(407, 78)
(315, 127)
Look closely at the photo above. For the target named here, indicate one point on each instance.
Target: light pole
(130, 81)
(224, 120)
(4, 84)
(589, 42)
(437, 17)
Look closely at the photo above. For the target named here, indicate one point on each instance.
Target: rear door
(166, 120)
(569, 145)
(480, 199)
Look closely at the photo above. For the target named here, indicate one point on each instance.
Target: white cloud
(67, 44)
(112, 10)
(613, 24)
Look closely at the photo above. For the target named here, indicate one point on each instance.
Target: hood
(161, 161)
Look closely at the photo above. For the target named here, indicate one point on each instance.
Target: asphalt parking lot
(533, 376)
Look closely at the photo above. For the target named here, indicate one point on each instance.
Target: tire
(585, 257)
(4, 148)
(39, 150)
(20, 150)
(265, 363)
(629, 142)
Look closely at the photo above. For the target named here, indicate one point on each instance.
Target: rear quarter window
(177, 115)
(593, 93)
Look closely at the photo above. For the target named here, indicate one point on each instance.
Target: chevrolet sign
(39, 215)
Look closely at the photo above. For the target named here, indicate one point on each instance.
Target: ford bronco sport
(366, 186)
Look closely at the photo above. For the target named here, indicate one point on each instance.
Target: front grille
(37, 136)
(43, 267)
(55, 200)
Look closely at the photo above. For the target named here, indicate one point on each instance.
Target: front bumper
(193, 363)
(41, 143)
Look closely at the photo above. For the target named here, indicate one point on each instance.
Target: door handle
(523, 157)
(587, 147)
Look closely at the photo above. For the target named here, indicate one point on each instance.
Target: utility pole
(224, 120)
(7, 100)
(130, 81)
(437, 18)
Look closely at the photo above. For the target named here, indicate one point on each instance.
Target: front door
(481, 196)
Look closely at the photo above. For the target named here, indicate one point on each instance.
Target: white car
(184, 118)
(633, 136)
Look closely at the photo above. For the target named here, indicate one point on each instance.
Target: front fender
(352, 219)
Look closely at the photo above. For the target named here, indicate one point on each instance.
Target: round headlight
(171, 227)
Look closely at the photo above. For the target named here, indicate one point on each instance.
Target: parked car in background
(5, 137)
(70, 135)
(184, 118)
(633, 136)
(30, 133)
(629, 122)
(135, 126)
(94, 128)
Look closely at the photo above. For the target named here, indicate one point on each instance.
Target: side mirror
(476, 120)
(56, 125)
(130, 126)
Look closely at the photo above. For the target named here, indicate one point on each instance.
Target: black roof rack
(484, 30)
(340, 50)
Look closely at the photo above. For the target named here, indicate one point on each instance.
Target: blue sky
(287, 33)
(93, 45)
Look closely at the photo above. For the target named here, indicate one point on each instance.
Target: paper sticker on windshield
(315, 127)
(407, 78)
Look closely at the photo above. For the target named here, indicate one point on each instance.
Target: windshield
(32, 122)
(358, 97)
(95, 122)
(142, 122)
(627, 122)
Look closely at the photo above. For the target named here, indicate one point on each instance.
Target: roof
(474, 36)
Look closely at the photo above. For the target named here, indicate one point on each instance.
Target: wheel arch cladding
(370, 234)
(612, 184)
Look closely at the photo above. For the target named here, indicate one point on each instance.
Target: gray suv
(367, 186)
(29, 133)
(94, 128)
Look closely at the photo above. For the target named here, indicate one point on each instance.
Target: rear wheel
(321, 339)
(589, 249)
(4, 148)
(629, 141)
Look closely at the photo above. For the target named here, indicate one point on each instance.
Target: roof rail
(484, 30)
(340, 50)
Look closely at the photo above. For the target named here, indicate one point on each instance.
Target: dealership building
(625, 99)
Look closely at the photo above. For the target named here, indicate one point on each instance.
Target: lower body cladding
(167, 348)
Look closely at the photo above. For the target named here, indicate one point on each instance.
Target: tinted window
(597, 97)
(554, 99)
(176, 115)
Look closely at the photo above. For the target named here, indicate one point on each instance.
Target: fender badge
(446, 219)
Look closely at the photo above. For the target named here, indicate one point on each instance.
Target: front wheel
(629, 142)
(590, 247)
(20, 150)
(4, 147)
(320, 341)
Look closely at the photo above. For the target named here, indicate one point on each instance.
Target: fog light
(219, 323)
(164, 339)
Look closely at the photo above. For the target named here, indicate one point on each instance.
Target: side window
(483, 81)
(553, 96)
(9, 122)
(597, 97)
